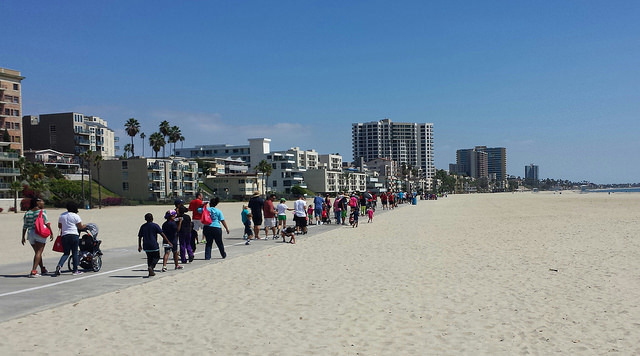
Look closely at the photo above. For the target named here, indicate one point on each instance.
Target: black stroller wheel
(70, 263)
(96, 263)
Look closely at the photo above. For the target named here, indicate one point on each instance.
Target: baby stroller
(89, 256)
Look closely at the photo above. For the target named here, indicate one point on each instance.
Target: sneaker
(57, 270)
(247, 243)
(34, 274)
(151, 273)
(43, 271)
(190, 258)
(179, 267)
(77, 273)
(164, 269)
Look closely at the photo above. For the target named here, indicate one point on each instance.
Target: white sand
(472, 274)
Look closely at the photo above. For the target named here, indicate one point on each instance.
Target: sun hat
(256, 193)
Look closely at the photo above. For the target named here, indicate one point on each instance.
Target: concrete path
(122, 268)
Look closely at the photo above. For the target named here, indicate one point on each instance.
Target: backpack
(205, 219)
(41, 228)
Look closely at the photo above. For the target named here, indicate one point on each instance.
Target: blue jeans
(70, 244)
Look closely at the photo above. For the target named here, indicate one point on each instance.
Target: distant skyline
(555, 82)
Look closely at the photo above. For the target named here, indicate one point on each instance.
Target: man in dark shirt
(148, 241)
(256, 205)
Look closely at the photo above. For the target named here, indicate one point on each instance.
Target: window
(17, 126)
(125, 165)
(125, 185)
(16, 87)
(125, 175)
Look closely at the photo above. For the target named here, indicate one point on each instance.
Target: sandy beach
(468, 274)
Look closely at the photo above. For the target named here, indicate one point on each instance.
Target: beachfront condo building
(149, 179)
(408, 143)
(69, 132)
(482, 161)
(9, 170)
(531, 174)
(11, 109)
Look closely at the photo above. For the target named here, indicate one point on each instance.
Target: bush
(24, 204)
(112, 201)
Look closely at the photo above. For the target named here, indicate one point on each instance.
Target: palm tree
(97, 161)
(164, 131)
(265, 168)
(88, 157)
(16, 187)
(132, 126)
(127, 149)
(142, 136)
(174, 137)
(156, 141)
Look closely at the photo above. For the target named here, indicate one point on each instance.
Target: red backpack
(205, 218)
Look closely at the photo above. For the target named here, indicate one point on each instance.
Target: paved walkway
(122, 268)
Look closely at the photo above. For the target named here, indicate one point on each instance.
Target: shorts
(197, 224)
(33, 237)
(173, 249)
(257, 220)
(282, 218)
(248, 231)
(301, 221)
(317, 213)
(269, 222)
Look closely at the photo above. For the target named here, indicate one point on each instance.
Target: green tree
(132, 126)
(16, 187)
(164, 130)
(265, 168)
(156, 141)
(97, 162)
(174, 137)
(142, 136)
(127, 150)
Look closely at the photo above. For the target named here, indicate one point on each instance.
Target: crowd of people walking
(180, 230)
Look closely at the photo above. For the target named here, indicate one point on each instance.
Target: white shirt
(300, 208)
(69, 221)
(282, 209)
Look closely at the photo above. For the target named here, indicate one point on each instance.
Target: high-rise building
(11, 108)
(410, 143)
(68, 133)
(531, 174)
(472, 163)
(482, 161)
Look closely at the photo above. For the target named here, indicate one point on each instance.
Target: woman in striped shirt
(29, 233)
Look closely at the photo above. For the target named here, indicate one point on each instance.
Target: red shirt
(194, 205)
(269, 211)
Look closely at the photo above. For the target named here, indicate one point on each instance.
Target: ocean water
(614, 190)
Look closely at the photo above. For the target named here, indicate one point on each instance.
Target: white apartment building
(410, 143)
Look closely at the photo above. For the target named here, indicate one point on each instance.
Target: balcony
(9, 171)
(8, 155)
(155, 167)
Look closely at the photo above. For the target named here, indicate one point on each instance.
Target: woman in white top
(70, 224)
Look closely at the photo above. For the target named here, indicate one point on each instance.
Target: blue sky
(555, 82)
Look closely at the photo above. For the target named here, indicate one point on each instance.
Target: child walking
(170, 229)
(370, 214)
(248, 228)
(148, 241)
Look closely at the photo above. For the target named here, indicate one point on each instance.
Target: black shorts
(257, 220)
(301, 221)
